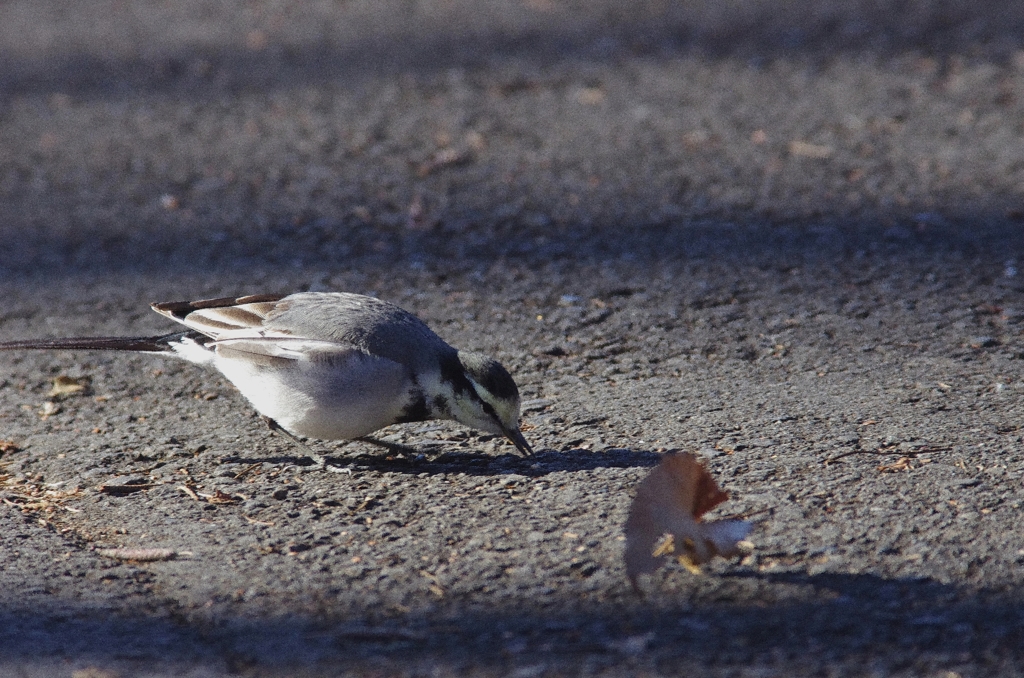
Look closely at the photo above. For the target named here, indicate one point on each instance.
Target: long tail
(160, 344)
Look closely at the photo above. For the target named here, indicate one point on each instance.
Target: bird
(329, 365)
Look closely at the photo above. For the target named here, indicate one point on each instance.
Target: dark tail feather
(160, 344)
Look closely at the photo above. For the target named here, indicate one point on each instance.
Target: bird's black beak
(519, 441)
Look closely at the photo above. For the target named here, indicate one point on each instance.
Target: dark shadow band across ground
(435, 44)
(932, 624)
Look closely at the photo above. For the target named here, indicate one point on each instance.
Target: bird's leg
(319, 461)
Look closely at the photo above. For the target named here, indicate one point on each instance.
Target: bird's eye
(489, 411)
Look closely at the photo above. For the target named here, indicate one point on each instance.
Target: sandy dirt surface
(785, 236)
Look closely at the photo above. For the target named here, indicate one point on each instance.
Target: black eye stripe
(488, 410)
(488, 374)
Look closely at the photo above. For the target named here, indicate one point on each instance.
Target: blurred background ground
(785, 235)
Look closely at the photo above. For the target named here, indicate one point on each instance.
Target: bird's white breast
(342, 395)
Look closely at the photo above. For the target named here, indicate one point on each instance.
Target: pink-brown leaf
(671, 500)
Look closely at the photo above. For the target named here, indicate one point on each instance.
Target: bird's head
(493, 404)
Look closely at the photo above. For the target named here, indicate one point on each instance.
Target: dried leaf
(94, 672)
(64, 386)
(48, 409)
(806, 150)
(901, 464)
(671, 501)
(447, 157)
(141, 555)
(590, 96)
(219, 497)
(7, 446)
(190, 492)
(418, 219)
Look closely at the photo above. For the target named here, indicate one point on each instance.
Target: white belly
(346, 397)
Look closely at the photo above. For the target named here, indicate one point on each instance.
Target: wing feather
(283, 348)
(220, 318)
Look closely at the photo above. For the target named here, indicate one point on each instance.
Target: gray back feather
(370, 324)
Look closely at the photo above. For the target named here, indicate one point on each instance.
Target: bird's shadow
(413, 461)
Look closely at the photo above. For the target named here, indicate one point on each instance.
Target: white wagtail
(329, 365)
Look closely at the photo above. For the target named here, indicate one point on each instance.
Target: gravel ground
(785, 236)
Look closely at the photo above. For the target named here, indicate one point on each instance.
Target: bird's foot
(394, 448)
(319, 461)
